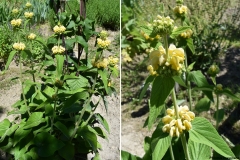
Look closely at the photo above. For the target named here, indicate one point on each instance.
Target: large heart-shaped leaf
(203, 132)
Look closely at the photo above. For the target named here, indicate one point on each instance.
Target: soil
(10, 92)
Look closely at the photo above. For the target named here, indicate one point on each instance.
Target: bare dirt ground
(10, 92)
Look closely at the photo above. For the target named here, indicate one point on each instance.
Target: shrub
(106, 13)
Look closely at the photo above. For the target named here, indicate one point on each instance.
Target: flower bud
(167, 119)
(187, 125)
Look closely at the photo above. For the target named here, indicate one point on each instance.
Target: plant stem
(54, 111)
(171, 152)
(182, 136)
(184, 144)
(83, 110)
(217, 123)
(21, 79)
(188, 83)
(175, 102)
(165, 42)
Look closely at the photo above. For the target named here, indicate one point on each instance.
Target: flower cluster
(15, 11)
(101, 63)
(28, 5)
(16, 22)
(104, 44)
(213, 70)
(175, 126)
(59, 29)
(126, 57)
(113, 61)
(147, 37)
(58, 50)
(19, 46)
(187, 34)
(103, 35)
(180, 10)
(31, 36)
(163, 25)
(28, 15)
(170, 63)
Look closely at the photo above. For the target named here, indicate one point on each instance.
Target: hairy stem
(171, 152)
(217, 115)
(21, 79)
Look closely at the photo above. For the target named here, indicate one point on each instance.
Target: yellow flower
(151, 70)
(187, 125)
(28, 5)
(125, 55)
(31, 36)
(183, 9)
(175, 126)
(104, 44)
(28, 15)
(59, 29)
(176, 57)
(157, 57)
(58, 50)
(16, 22)
(187, 34)
(167, 119)
(15, 11)
(112, 60)
(19, 46)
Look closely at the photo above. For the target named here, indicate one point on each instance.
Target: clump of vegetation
(106, 13)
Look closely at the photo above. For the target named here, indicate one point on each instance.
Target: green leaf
(62, 128)
(102, 121)
(203, 105)
(89, 136)
(34, 120)
(178, 31)
(48, 110)
(147, 149)
(60, 60)
(198, 150)
(20, 133)
(179, 80)
(236, 151)
(81, 40)
(71, 25)
(160, 142)
(191, 45)
(190, 67)
(67, 152)
(10, 58)
(47, 144)
(128, 156)
(74, 98)
(76, 82)
(160, 147)
(198, 78)
(145, 87)
(162, 87)
(104, 77)
(9, 132)
(203, 132)
(229, 94)
(4, 125)
(220, 113)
